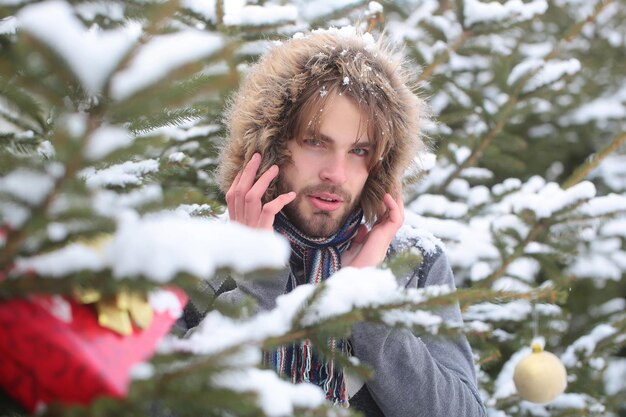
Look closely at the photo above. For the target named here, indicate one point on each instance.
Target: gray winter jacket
(415, 375)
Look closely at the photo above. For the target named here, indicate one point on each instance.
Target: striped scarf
(321, 257)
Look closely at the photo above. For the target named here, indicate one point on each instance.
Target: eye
(315, 143)
(360, 151)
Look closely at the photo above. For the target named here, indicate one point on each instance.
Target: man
(320, 134)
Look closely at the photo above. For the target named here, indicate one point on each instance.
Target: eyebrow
(360, 142)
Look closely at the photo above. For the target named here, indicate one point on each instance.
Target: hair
(283, 92)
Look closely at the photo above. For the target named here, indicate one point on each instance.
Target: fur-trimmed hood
(260, 116)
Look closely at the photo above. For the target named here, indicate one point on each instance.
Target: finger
(361, 234)
(244, 185)
(394, 213)
(271, 209)
(254, 196)
(230, 197)
(400, 200)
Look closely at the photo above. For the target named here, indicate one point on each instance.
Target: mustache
(326, 188)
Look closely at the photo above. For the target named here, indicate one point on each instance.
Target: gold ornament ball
(540, 377)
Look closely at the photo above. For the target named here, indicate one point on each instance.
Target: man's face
(328, 174)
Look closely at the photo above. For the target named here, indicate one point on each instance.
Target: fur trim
(278, 89)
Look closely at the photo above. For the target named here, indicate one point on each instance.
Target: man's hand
(370, 248)
(244, 196)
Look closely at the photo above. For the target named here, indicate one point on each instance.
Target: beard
(313, 222)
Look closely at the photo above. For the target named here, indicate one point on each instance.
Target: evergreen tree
(110, 121)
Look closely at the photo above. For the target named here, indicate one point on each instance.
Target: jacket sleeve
(420, 375)
(263, 289)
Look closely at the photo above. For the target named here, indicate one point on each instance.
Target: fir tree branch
(518, 252)
(430, 69)
(322, 21)
(577, 28)
(593, 161)
(477, 152)
(373, 314)
(15, 237)
(219, 12)
(16, 121)
(24, 102)
(515, 96)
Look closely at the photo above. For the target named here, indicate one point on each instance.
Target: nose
(334, 170)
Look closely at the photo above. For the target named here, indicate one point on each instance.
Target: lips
(325, 201)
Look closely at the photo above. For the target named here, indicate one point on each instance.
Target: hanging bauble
(540, 376)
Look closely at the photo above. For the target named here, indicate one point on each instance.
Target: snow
(438, 205)
(164, 301)
(596, 266)
(56, 231)
(536, 50)
(142, 371)
(276, 397)
(575, 401)
(109, 203)
(518, 310)
(425, 161)
(46, 149)
(70, 259)
(27, 185)
(349, 32)
(550, 72)
(310, 11)
(105, 140)
(375, 7)
(170, 51)
(91, 54)
(550, 199)
(480, 270)
(514, 10)
(504, 384)
(524, 268)
(347, 289)
(176, 157)
(510, 222)
(351, 288)
(75, 124)
(612, 171)
(616, 305)
(204, 8)
(111, 10)
(424, 319)
(604, 205)
(615, 376)
(217, 333)
(121, 175)
(184, 133)
(510, 285)
(161, 246)
(601, 109)
(478, 195)
(459, 187)
(524, 68)
(250, 15)
(586, 345)
(506, 186)
(8, 25)
(425, 238)
(237, 12)
(13, 215)
(477, 173)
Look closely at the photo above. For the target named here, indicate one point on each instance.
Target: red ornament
(53, 349)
